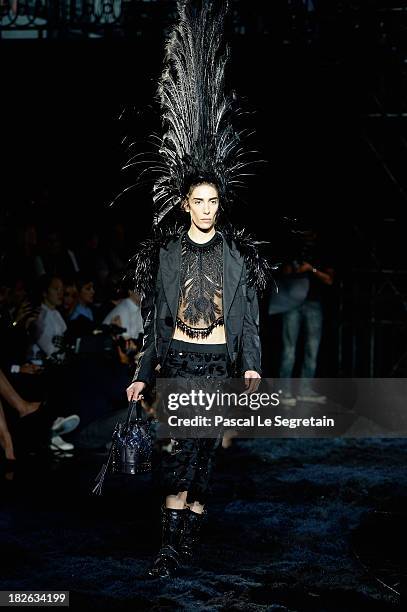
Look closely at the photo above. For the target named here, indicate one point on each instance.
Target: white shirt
(130, 317)
(49, 324)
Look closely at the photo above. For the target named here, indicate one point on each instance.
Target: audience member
(312, 264)
(55, 257)
(114, 293)
(70, 299)
(86, 294)
(50, 327)
(117, 249)
(37, 357)
(48, 344)
(92, 260)
(127, 314)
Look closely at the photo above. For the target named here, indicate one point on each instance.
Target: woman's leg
(14, 399)
(196, 507)
(188, 463)
(6, 441)
(176, 501)
(168, 559)
(178, 470)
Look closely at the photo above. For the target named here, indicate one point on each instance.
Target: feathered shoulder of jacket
(259, 269)
(142, 268)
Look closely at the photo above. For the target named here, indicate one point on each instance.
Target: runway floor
(294, 524)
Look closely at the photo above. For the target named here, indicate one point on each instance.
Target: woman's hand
(134, 391)
(31, 368)
(251, 380)
(26, 314)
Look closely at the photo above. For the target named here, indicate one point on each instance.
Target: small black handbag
(131, 448)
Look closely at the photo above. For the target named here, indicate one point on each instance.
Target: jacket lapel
(232, 271)
(170, 262)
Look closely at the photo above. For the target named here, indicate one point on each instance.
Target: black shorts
(189, 465)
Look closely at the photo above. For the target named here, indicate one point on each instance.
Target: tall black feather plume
(200, 142)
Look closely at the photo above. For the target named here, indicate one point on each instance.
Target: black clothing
(200, 302)
(318, 255)
(189, 465)
(240, 312)
(200, 284)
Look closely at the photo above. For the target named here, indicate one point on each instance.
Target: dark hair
(69, 282)
(42, 286)
(116, 288)
(201, 182)
(83, 280)
(44, 283)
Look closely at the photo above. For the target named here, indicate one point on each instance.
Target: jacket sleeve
(148, 359)
(251, 347)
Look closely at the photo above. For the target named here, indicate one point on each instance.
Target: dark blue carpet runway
(294, 524)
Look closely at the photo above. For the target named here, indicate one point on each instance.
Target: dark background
(323, 518)
(327, 87)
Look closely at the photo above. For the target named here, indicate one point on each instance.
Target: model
(204, 273)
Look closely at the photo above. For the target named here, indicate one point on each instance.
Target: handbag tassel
(97, 489)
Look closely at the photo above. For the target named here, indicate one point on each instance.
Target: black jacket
(240, 311)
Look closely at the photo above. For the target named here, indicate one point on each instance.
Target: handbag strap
(137, 405)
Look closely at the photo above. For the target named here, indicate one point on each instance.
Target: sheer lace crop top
(200, 306)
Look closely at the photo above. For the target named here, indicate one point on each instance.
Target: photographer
(50, 327)
(100, 362)
(313, 266)
(48, 352)
(127, 314)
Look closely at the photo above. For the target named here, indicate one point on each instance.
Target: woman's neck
(199, 236)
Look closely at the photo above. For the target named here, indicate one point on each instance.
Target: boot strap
(168, 551)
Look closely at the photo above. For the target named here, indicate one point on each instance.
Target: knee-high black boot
(167, 560)
(190, 537)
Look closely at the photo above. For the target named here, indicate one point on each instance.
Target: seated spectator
(114, 295)
(92, 260)
(55, 257)
(17, 321)
(86, 294)
(70, 299)
(50, 327)
(127, 314)
(24, 408)
(118, 252)
(48, 344)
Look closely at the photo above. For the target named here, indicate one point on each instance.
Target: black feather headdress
(199, 141)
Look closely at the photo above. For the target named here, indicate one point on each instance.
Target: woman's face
(55, 293)
(202, 204)
(87, 293)
(70, 297)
